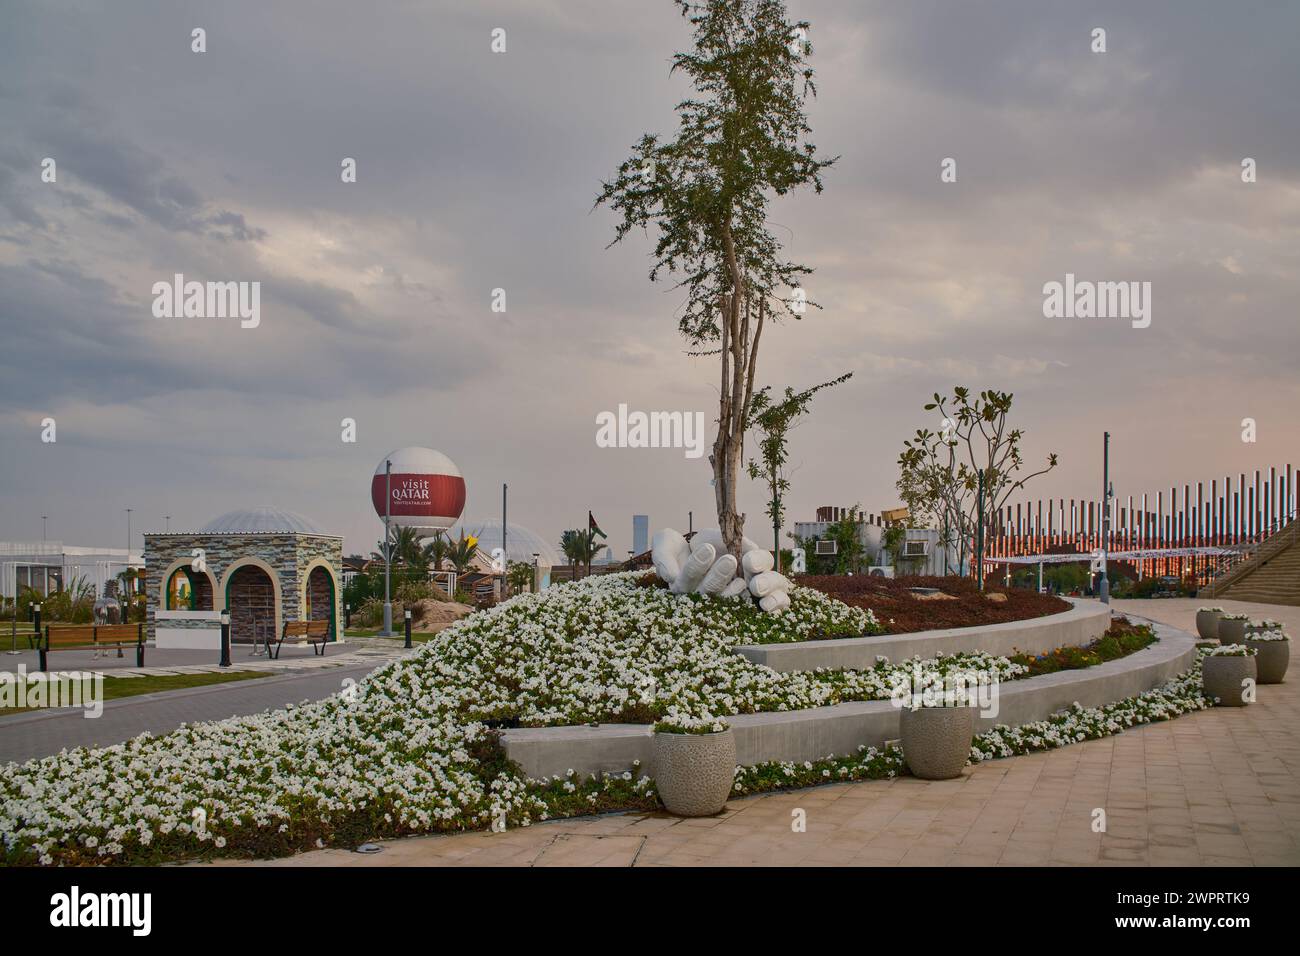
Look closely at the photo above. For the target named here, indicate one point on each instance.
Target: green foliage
(1120, 640)
(580, 547)
(1064, 578)
(773, 421)
(462, 552)
(519, 574)
(741, 141)
(850, 555)
(939, 471)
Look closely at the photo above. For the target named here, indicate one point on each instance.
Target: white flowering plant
(1236, 617)
(1232, 650)
(1277, 635)
(675, 723)
(415, 747)
(1219, 609)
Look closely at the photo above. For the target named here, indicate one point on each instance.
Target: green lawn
(116, 687)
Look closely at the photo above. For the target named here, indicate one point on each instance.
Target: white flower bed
(410, 751)
(1180, 695)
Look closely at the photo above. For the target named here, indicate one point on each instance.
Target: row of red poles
(1226, 516)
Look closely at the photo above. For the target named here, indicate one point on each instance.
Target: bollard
(36, 618)
(225, 638)
(407, 615)
(347, 616)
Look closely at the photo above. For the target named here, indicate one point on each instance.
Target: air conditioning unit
(827, 547)
(881, 571)
(916, 549)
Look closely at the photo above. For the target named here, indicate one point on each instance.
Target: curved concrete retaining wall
(842, 729)
(1080, 625)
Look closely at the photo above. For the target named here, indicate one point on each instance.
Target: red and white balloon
(428, 492)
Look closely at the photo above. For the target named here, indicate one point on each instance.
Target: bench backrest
(115, 633)
(318, 628)
(295, 628)
(70, 636)
(89, 634)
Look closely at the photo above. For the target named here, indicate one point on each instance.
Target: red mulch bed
(901, 613)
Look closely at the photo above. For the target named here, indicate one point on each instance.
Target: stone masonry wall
(289, 554)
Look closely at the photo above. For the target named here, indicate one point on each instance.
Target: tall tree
(773, 421)
(939, 472)
(741, 141)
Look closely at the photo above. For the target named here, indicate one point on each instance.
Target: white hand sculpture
(702, 566)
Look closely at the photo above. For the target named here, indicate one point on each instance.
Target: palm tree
(437, 551)
(462, 553)
(579, 546)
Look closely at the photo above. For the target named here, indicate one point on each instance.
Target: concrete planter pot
(1221, 678)
(1231, 632)
(1271, 660)
(1207, 624)
(694, 773)
(936, 740)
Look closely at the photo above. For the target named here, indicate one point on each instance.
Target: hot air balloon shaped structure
(426, 490)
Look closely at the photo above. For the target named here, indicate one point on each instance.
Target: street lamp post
(43, 518)
(1103, 584)
(388, 548)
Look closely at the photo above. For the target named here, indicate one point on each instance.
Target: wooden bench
(96, 636)
(315, 633)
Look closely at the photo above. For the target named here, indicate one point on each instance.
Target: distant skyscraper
(640, 533)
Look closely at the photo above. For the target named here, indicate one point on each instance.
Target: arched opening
(250, 597)
(187, 590)
(320, 598)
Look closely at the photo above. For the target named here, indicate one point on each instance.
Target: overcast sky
(478, 171)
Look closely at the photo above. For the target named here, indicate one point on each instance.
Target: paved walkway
(45, 732)
(1218, 787)
(169, 661)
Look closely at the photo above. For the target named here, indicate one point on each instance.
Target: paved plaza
(1214, 788)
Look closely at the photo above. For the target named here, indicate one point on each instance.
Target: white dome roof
(521, 543)
(415, 460)
(262, 521)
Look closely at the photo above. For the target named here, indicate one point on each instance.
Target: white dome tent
(521, 544)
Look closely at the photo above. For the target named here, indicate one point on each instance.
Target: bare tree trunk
(739, 352)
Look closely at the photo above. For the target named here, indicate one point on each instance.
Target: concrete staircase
(1270, 576)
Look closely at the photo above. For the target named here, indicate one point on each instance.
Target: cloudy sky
(478, 170)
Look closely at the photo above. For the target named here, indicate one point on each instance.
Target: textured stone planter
(1221, 678)
(1231, 632)
(694, 773)
(936, 740)
(1271, 660)
(1207, 624)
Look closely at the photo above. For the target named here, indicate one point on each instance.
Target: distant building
(51, 566)
(922, 551)
(640, 533)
